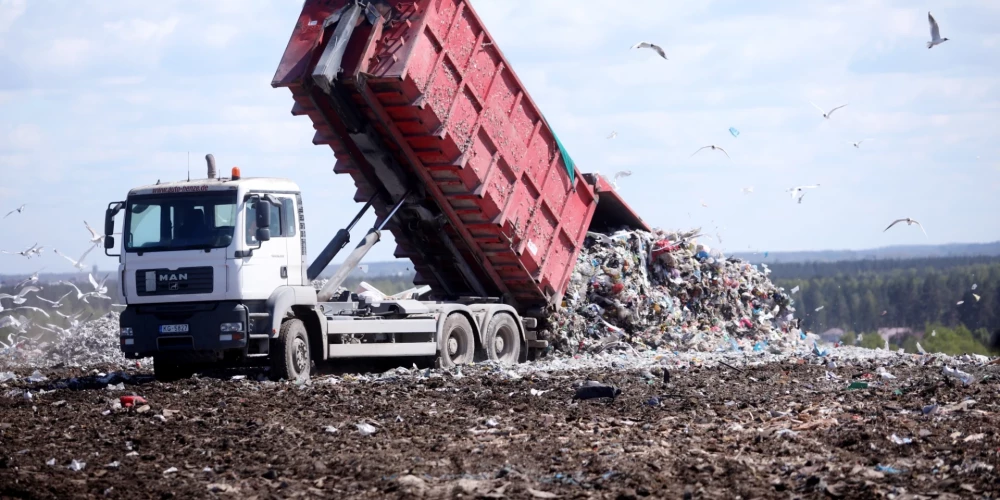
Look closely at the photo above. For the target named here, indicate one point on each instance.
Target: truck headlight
(231, 327)
(125, 331)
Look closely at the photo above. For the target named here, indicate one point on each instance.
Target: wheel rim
(453, 345)
(498, 344)
(300, 355)
(505, 342)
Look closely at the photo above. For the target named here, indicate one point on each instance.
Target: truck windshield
(160, 223)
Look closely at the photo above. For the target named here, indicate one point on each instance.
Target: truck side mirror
(263, 234)
(263, 215)
(109, 242)
(109, 225)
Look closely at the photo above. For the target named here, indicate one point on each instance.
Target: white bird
(79, 262)
(54, 303)
(99, 288)
(858, 144)
(827, 114)
(920, 349)
(34, 309)
(79, 295)
(9, 321)
(95, 237)
(21, 296)
(713, 147)
(748, 190)
(613, 135)
(30, 279)
(908, 221)
(619, 175)
(18, 210)
(653, 46)
(32, 250)
(798, 191)
(887, 344)
(935, 32)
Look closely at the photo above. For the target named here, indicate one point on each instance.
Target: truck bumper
(193, 330)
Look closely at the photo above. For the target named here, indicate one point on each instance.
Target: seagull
(713, 147)
(99, 288)
(32, 250)
(619, 175)
(35, 309)
(79, 262)
(920, 349)
(18, 210)
(20, 298)
(827, 114)
(613, 135)
(858, 144)
(54, 303)
(9, 321)
(798, 191)
(908, 221)
(748, 190)
(647, 45)
(79, 295)
(30, 279)
(95, 237)
(935, 32)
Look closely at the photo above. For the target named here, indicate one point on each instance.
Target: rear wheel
(290, 352)
(503, 342)
(458, 346)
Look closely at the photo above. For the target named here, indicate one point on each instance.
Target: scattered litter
(820, 308)
(222, 488)
(76, 465)
(974, 437)
(35, 377)
(330, 429)
(538, 392)
(120, 386)
(492, 422)
(958, 374)
(882, 372)
(888, 469)
(130, 401)
(50, 462)
(238, 377)
(900, 441)
(596, 390)
(858, 385)
(366, 429)
(7, 376)
(929, 409)
(170, 471)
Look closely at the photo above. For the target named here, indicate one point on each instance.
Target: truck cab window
(277, 227)
(289, 220)
(180, 222)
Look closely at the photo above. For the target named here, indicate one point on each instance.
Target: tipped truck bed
(449, 115)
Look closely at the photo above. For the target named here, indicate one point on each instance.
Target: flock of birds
(797, 192)
(29, 287)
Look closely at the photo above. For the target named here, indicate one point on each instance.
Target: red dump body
(448, 108)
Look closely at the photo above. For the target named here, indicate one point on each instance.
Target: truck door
(266, 268)
(293, 240)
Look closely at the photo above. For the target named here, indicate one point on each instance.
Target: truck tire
(169, 371)
(502, 340)
(458, 345)
(289, 353)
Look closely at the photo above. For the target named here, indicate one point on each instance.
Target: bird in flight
(79, 262)
(935, 32)
(33, 250)
(799, 191)
(612, 135)
(858, 144)
(30, 279)
(18, 210)
(619, 175)
(747, 190)
(95, 237)
(827, 114)
(21, 296)
(713, 147)
(54, 303)
(653, 46)
(908, 221)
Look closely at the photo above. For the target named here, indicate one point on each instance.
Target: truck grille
(185, 280)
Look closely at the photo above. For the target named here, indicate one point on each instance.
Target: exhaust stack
(212, 173)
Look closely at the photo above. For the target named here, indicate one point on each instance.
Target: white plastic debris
(77, 465)
(113, 465)
(36, 376)
(120, 386)
(6, 376)
(331, 429)
(170, 471)
(900, 441)
(492, 422)
(882, 372)
(50, 462)
(538, 392)
(957, 374)
(239, 377)
(366, 429)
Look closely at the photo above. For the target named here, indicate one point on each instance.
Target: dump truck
(443, 143)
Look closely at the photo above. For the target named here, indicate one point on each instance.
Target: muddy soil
(777, 431)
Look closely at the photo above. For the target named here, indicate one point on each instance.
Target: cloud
(10, 10)
(141, 31)
(64, 53)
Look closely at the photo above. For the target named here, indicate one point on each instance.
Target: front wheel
(458, 346)
(503, 342)
(289, 352)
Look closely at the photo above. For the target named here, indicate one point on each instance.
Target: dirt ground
(779, 431)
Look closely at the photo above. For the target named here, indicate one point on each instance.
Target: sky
(98, 96)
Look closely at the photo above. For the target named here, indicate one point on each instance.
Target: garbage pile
(93, 343)
(661, 289)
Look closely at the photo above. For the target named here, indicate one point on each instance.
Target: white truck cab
(213, 272)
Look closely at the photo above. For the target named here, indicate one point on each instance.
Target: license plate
(173, 328)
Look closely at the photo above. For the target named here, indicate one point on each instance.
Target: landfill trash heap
(664, 290)
(93, 343)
